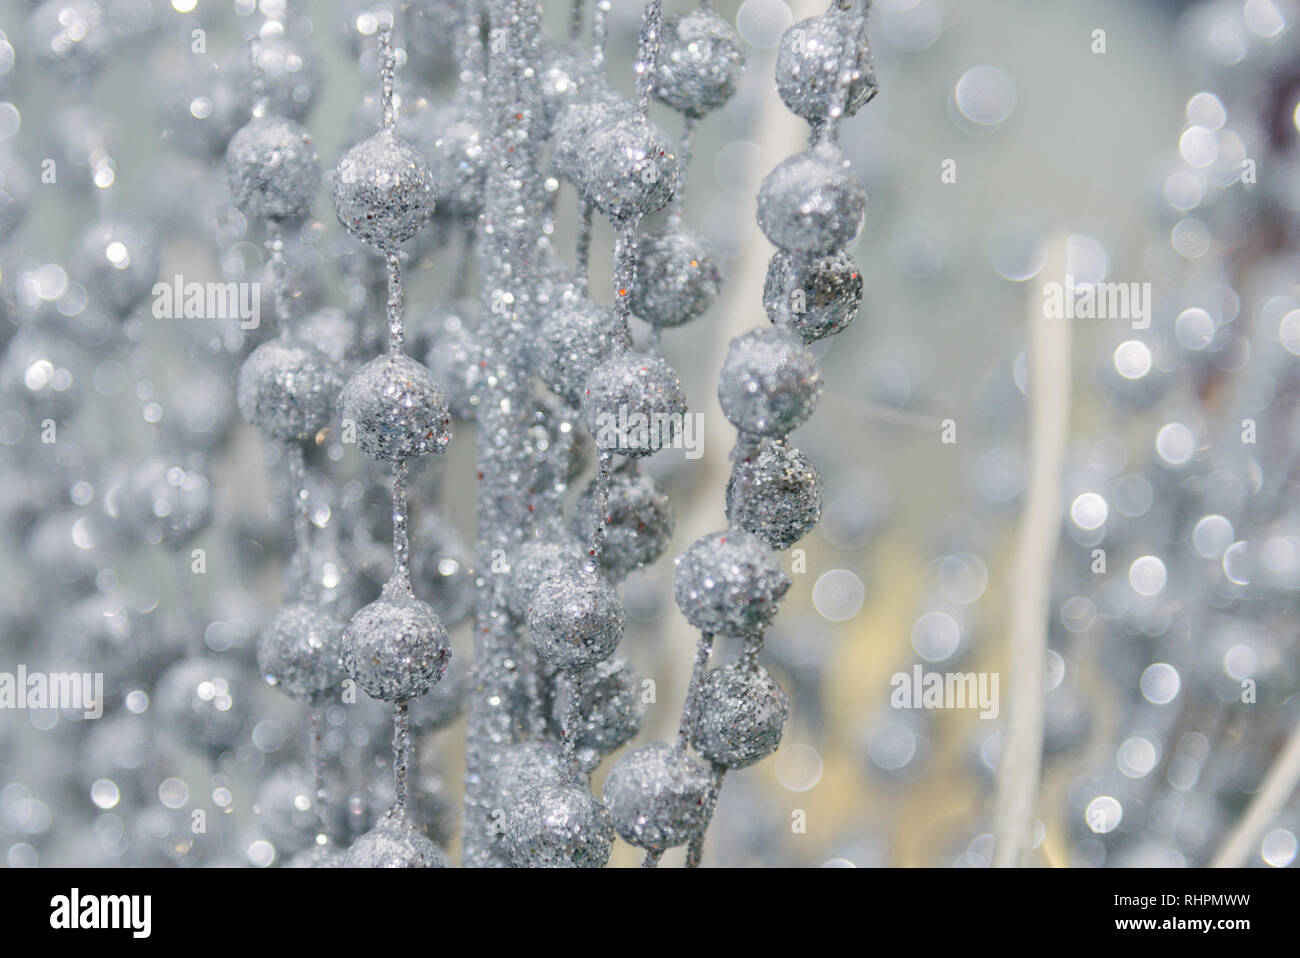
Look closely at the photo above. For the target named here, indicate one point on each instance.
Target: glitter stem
(695, 851)
(301, 520)
(396, 330)
(315, 753)
(572, 716)
(599, 29)
(387, 74)
(401, 756)
(691, 707)
(279, 279)
(401, 544)
(600, 507)
(652, 857)
(587, 211)
(647, 53)
(624, 278)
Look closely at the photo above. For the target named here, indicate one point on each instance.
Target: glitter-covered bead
(775, 493)
(161, 500)
(742, 713)
(576, 121)
(570, 342)
(205, 701)
(40, 375)
(396, 842)
(287, 389)
(298, 652)
(455, 358)
(640, 521)
(769, 383)
(396, 409)
(610, 710)
(628, 169)
(384, 190)
(699, 64)
(458, 158)
(273, 169)
(810, 62)
(536, 561)
(396, 647)
(730, 583)
(815, 297)
(576, 619)
(631, 404)
(75, 37)
(564, 74)
(811, 203)
(520, 768)
(289, 74)
(656, 796)
(677, 277)
(117, 260)
(559, 826)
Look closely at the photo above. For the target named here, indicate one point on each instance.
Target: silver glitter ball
(161, 500)
(775, 493)
(742, 715)
(640, 522)
(455, 357)
(458, 158)
(564, 75)
(677, 277)
(610, 709)
(290, 76)
(627, 168)
(729, 583)
(287, 389)
(39, 375)
(117, 260)
(576, 121)
(202, 101)
(298, 653)
(559, 826)
(273, 169)
(396, 409)
(396, 648)
(576, 619)
(395, 842)
(520, 768)
(538, 560)
(816, 297)
(384, 190)
(205, 701)
(811, 203)
(74, 37)
(769, 383)
(811, 58)
(632, 403)
(570, 342)
(699, 64)
(656, 795)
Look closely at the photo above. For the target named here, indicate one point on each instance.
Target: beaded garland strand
(730, 583)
